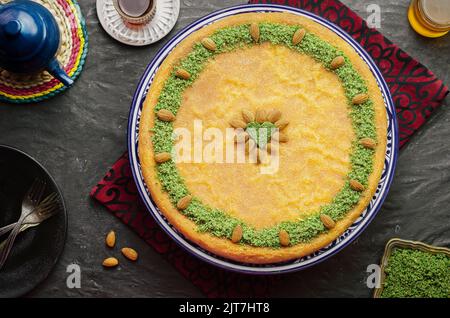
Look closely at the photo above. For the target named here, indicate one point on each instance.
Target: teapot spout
(55, 69)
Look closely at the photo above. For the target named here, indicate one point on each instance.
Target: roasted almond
(274, 115)
(280, 137)
(283, 137)
(356, 185)
(165, 115)
(250, 145)
(298, 36)
(368, 143)
(248, 115)
(263, 157)
(237, 123)
(337, 62)
(281, 124)
(184, 202)
(254, 31)
(260, 116)
(110, 239)
(327, 221)
(130, 253)
(183, 74)
(110, 262)
(270, 149)
(275, 136)
(360, 99)
(236, 236)
(209, 44)
(241, 137)
(162, 157)
(284, 238)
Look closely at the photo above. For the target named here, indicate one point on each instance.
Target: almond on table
(130, 253)
(110, 262)
(110, 239)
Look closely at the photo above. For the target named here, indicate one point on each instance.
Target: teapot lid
(23, 30)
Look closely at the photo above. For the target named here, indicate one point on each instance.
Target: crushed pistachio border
(217, 222)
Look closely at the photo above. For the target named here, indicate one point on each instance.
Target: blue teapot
(29, 40)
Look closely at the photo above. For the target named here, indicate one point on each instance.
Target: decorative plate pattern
(162, 23)
(348, 236)
(19, 88)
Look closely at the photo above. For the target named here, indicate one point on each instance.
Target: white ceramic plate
(166, 16)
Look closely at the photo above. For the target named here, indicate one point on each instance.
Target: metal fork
(46, 209)
(38, 216)
(29, 203)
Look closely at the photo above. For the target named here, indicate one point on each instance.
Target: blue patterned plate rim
(294, 265)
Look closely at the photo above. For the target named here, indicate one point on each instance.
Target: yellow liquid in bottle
(430, 18)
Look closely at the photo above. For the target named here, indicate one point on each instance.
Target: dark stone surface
(79, 134)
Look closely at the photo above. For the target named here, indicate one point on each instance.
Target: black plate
(36, 250)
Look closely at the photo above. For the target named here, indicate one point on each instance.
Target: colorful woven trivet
(18, 88)
(416, 91)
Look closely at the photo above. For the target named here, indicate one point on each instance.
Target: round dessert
(262, 137)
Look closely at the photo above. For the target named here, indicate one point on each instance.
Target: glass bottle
(430, 18)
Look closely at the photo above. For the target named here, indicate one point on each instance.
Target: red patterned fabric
(416, 92)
